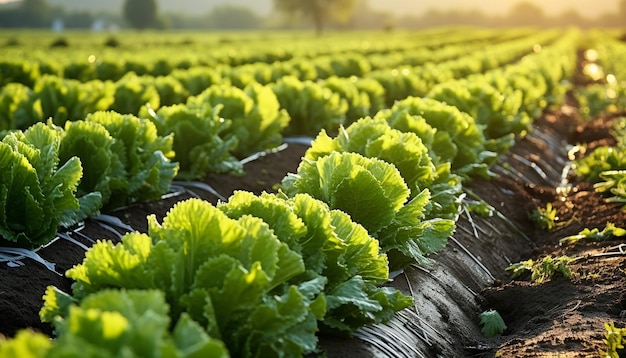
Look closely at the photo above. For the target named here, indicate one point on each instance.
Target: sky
(588, 8)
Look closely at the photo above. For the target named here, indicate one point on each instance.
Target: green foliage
(609, 232)
(114, 323)
(170, 90)
(141, 14)
(256, 118)
(546, 218)
(374, 138)
(613, 184)
(375, 195)
(492, 323)
(600, 160)
(146, 171)
(358, 102)
(17, 110)
(229, 275)
(198, 139)
(36, 187)
(501, 115)
(399, 83)
(197, 79)
(52, 97)
(453, 136)
(615, 338)
(26, 343)
(333, 248)
(544, 269)
(133, 92)
(311, 106)
(23, 72)
(319, 10)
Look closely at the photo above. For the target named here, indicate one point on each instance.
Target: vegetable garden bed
(563, 317)
(522, 264)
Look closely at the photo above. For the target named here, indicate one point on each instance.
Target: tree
(141, 14)
(233, 17)
(320, 11)
(526, 13)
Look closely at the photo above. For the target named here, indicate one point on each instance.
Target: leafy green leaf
(492, 323)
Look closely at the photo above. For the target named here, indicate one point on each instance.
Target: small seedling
(609, 232)
(543, 270)
(545, 218)
(615, 340)
(492, 323)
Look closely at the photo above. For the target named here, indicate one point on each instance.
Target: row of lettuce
(263, 275)
(605, 165)
(355, 76)
(122, 159)
(26, 63)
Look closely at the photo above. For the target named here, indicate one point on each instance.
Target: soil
(561, 317)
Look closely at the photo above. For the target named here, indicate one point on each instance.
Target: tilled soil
(557, 318)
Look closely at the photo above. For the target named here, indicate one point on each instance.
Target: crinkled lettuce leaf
(35, 187)
(115, 323)
(218, 270)
(199, 139)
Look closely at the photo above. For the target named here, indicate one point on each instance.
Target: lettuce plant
(374, 138)
(375, 195)
(311, 106)
(358, 102)
(256, 119)
(132, 93)
(333, 247)
(501, 115)
(228, 275)
(115, 323)
(146, 171)
(456, 138)
(37, 191)
(199, 141)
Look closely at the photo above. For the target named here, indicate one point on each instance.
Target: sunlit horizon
(413, 7)
(496, 7)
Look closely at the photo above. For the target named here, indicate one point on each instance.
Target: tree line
(319, 14)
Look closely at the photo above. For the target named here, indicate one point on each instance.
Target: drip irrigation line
(263, 153)
(473, 257)
(13, 256)
(533, 166)
(511, 173)
(502, 217)
(113, 221)
(187, 185)
(67, 237)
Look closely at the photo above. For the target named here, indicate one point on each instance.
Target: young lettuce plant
(228, 275)
(311, 106)
(375, 195)
(374, 138)
(145, 156)
(37, 191)
(257, 121)
(456, 136)
(198, 139)
(114, 323)
(333, 247)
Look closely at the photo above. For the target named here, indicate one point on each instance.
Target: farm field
(350, 195)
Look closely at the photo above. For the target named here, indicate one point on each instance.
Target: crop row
(24, 64)
(605, 165)
(262, 275)
(63, 99)
(225, 123)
